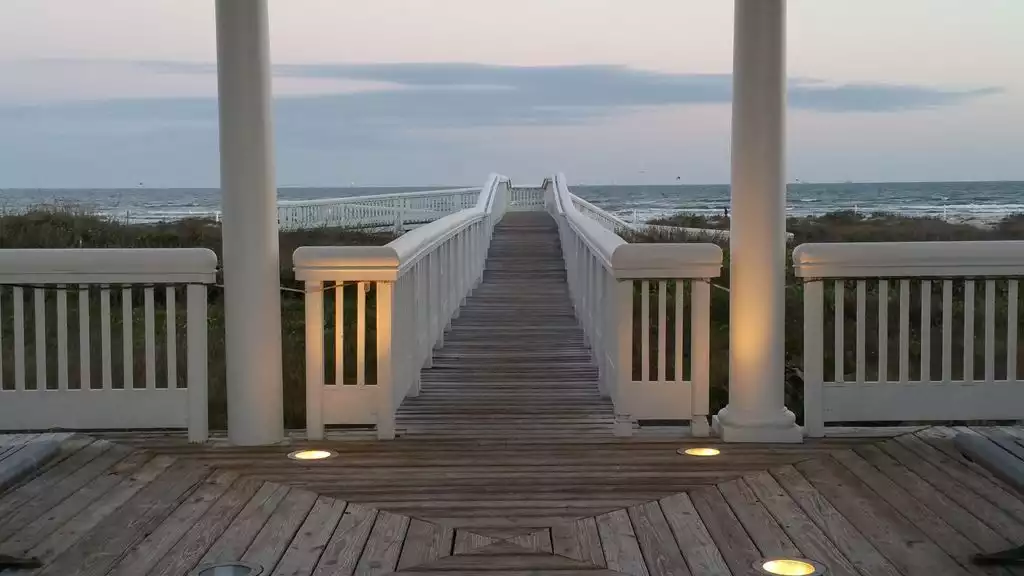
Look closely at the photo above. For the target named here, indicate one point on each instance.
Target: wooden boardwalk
(514, 364)
(909, 505)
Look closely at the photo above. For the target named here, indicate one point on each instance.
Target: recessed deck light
(701, 452)
(790, 567)
(228, 569)
(316, 454)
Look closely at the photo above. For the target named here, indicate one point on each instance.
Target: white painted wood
(622, 382)
(926, 331)
(1012, 329)
(909, 259)
(387, 402)
(662, 316)
(339, 332)
(839, 321)
(968, 374)
(84, 344)
(923, 401)
(196, 336)
(47, 266)
(1, 338)
(150, 327)
(361, 289)
(171, 331)
(105, 344)
(883, 330)
(62, 337)
(93, 409)
(252, 273)
(19, 338)
(990, 331)
(680, 302)
(904, 331)
(39, 323)
(814, 370)
(314, 300)
(947, 331)
(127, 339)
(645, 330)
(700, 357)
(861, 329)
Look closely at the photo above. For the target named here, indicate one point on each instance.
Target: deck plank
(732, 540)
(660, 551)
(621, 549)
(425, 542)
(235, 540)
(698, 548)
(847, 538)
(901, 542)
(578, 540)
(384, 545)
(346, 544)
(767, 535)
(305, 549)
(74, 454)
(150, 550)
(189, 549)
(86, 521)
(921, 502)
(94, 554)
(272, 541)
(811, 541)
(539, 541)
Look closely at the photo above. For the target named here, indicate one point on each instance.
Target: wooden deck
(514, 363)
(909, 505)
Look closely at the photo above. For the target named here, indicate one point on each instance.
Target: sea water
(962, 201)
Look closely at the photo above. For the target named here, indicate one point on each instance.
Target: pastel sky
(105, 93)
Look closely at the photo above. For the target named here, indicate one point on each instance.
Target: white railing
(919, 303)
(611, 222)
(526, 199)
(390, 306)
(654, 364)
(374, 211)
(79, 383)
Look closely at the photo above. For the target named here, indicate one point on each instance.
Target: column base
(782, 429)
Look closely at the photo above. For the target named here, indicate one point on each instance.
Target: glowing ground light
(312, 455)
(790, 567)
(228, 569)
(702, 452)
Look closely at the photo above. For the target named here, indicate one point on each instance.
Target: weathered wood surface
(514, 363)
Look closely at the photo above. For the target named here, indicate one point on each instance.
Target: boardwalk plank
(901, 542)
(578, 540)
(692, 537)
(189, 549)
(847, 538)
(621, 549)
(272, 541)
(346, 544)
(767, 535)
(148, 552)
(660, 551)
(739, 551)
(305, 550)
(235, 540)
(384, 545)
(425, 542)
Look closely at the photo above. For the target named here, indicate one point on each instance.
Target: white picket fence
(653, 366)
(525, 199)
(407, 291)
(79, 383)
(942, 363)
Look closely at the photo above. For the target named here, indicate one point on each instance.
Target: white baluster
(314, 299)
(198, 368)
(814, 300)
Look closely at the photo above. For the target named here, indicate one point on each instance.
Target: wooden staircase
(514, 364)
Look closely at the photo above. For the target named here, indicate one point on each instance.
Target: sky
(118, 93)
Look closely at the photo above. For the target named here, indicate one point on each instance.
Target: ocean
(962, 201)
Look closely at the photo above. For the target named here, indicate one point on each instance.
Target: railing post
(197, 374)
(623, 373)
(315, 359)
(700, 355)
(814, 299)
(385, 368)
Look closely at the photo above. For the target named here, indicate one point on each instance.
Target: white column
(249, 199)
(756, 411)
